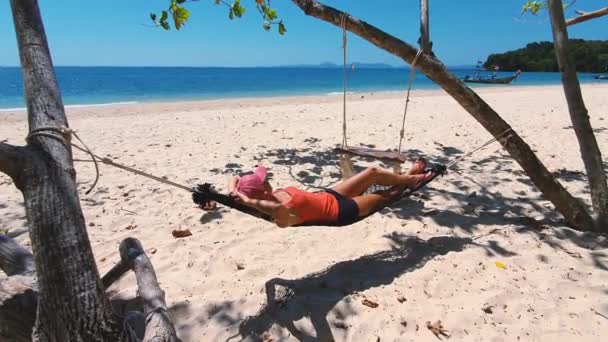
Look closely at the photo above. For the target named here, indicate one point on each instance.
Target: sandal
(428, 175)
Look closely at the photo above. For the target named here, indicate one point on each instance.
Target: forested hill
(588, 55)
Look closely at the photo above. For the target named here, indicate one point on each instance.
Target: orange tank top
(312, 206)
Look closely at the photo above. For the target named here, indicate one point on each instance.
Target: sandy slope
(431, 258)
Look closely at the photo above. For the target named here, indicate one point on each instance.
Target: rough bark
(425, 34)
(590, 151)
(12, 161)
(584, 16)
(72, 305)
(159, 326)
(571, 208)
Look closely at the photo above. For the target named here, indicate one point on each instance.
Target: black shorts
(348, 212)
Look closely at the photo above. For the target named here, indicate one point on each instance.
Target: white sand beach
(432, 257)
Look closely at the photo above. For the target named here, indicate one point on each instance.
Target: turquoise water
(103, 85)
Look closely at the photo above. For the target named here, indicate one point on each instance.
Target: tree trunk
(590, 151)
(72, 305)
(571, 208)
(425, 34)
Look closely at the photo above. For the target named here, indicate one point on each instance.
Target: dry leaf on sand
(181, 233)
(437, 329)
(369, 303)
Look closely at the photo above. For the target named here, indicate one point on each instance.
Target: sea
(100, 86)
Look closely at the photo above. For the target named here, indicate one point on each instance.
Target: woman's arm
(232, 182)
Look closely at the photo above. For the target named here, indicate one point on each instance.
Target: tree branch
(12, 161)
(115, 273)
(584, 16)
(159, 326)
(14, 259)
(573, 210)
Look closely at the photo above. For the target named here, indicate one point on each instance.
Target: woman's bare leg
(369, 203)
(360, 182)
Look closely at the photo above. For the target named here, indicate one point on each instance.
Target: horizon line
(327, 65)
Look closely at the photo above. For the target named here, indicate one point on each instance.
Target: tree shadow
(595, 130)
(473, 210)
(316, 295)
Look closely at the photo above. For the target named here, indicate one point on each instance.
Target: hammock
(205, 193)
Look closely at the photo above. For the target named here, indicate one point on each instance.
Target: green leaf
(182, 14)
(282, 28)
(231, 14)
(153, 17)
(165, 25)
(181, 1)
(217, 2)
(164, 16)
(271, 14)
(237, 8)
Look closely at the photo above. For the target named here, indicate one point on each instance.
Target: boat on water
(492, 79)
(601, 77)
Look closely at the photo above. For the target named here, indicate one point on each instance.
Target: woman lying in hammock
(342, 205)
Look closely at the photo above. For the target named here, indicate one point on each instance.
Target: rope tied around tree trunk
(64, 135)
(65, 138)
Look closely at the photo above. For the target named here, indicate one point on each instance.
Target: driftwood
(14, 259)
(159, 325)
(17, 292)
(18, 298)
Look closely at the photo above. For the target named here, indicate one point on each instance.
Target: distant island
(330, 65)
(588, 56)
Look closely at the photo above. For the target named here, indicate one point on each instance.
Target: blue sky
(113, 32)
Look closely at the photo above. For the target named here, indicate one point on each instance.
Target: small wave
(339, 93)
(76, 106)
(101, 104)
(11, 109)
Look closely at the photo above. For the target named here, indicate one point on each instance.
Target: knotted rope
(343, 19)
(407, 98)
(64, 135)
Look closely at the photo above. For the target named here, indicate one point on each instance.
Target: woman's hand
(209, 206)
(241, 196)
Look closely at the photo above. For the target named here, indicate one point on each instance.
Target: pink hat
(252, 185)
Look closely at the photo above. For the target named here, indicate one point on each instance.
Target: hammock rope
(343, 22)
(204, 193)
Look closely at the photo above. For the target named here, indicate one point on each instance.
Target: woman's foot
(421, 178)
(417, 168)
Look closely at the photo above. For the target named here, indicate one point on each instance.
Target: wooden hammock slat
(373, 153)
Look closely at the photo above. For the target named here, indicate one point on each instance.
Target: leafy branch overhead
(536, 6)
(180, 14)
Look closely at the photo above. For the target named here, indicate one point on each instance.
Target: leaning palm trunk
(570, 207)
(590, 152)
